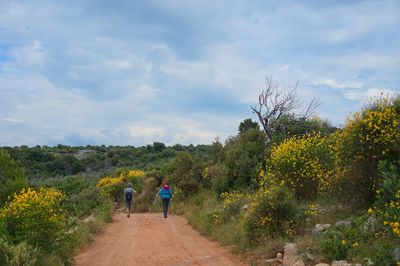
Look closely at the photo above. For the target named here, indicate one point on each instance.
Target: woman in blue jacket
(165, 194)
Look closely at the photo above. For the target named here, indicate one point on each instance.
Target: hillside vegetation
(334, 192)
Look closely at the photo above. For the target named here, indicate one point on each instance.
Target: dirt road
(149, 239)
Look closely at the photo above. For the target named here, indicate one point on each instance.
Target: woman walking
(166, 195)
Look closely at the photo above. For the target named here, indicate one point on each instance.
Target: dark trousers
(165, 203)
(128, 204)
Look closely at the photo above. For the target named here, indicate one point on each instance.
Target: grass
(206, 215)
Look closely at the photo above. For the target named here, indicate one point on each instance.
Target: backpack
(128, 194)
(166, 193)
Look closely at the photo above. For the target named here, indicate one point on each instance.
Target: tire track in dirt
(149, 239)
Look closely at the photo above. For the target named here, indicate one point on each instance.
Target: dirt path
(149, 239)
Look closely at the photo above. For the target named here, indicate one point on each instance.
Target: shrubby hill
(333, 192)
(61, 160)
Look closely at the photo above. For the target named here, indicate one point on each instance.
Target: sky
(122, 72)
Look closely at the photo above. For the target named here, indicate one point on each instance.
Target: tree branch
(274, 103)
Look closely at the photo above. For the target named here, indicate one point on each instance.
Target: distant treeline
(61, 160)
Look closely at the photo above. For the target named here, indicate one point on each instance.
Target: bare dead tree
(274, 102)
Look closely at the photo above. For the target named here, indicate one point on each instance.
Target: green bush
(187, 173)
(387, 204)
(336, 243)
(203, 212)
(243, 157)
(105, 211)
(81, 196)
(365, 239)
(272, 212)
(12, 176)
(218, 175)
(84, 202)
(70, 185)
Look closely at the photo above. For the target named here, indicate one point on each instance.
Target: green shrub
(387, 204)
(336, 243)
(84, 202)
(243, 156)
(379, 250)
(105, 211)
(218, 175)
(272, 212)
(203, 212)
(187, 174)
(365, 239)
(69, 185)
(12, 176)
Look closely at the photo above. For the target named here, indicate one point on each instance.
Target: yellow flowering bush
(312, 210)
(206, 176)
(205, 173)
(113, 186)
(122, 177)
(231, 203)
(304, 164)
(136, 177)
(109, 181)
(271, 212)
(215, 218)
(367, 138)
(136, 173)
(35, 216)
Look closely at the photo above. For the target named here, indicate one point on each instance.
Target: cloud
(363, 96)
(11, 120)
(133, 72)
(31, 54)
(339, 85)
